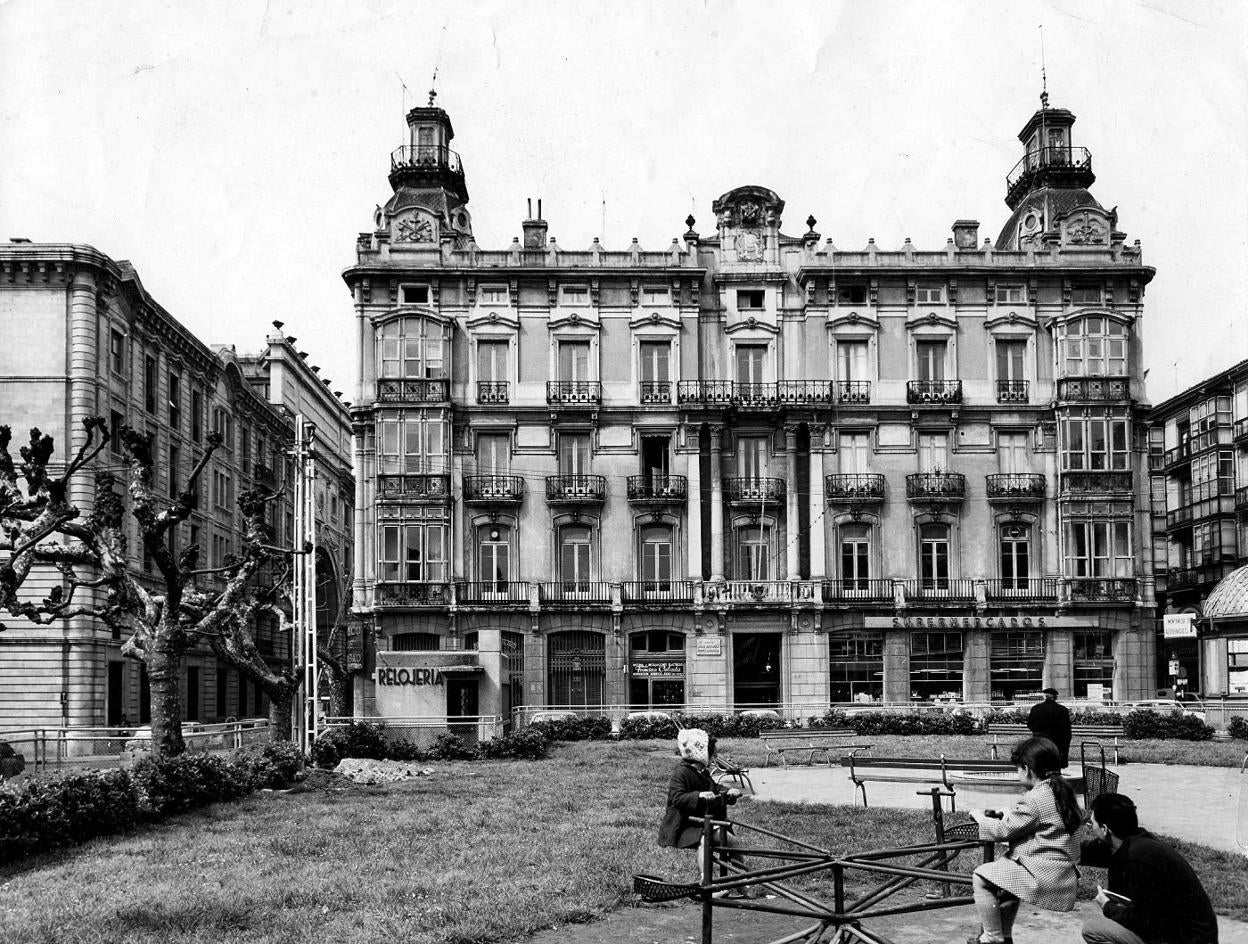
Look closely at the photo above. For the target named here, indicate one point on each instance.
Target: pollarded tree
(159, 624)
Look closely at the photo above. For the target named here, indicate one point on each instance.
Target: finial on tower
(1044, 79)
(433, 93)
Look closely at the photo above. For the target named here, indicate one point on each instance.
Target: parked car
(1189, 706)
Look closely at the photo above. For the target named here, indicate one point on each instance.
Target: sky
(232, 151)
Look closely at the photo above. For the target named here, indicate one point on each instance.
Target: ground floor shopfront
(494, 664)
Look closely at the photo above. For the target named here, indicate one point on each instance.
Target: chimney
(966, 234)
(535, 228)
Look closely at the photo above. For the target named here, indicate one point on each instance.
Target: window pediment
(752, 328)
(656, 320)
(937, 323)
(1011, 322)
(853, 322)
(494, 321)
(575, 322)
(412, 311)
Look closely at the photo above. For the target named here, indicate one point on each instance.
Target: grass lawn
(1200, 753)
(481, 852)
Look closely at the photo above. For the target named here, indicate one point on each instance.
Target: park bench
(725, 768)
(942, 770)
(1110, 732)
(783, 742)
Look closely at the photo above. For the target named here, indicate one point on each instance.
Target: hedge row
(40, 815)
(366, 741)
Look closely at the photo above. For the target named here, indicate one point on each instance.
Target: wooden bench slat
(1108, 730)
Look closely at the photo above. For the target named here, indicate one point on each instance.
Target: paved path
(1208, 805)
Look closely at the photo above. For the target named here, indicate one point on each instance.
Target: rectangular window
(115, 422)
(175, 472)
(655, 357)
(750, 299)
(574, 454)
(413, 552)
(1011, 295)
(492, 294)
(857, 666)
(656, 560)
(494, 561)
(1098, 549)
(751, 359)
(1015, 557)
(117, 352)
(855, 556)
(929, 293)
(753, 553)
(574, 361)
(223, 425)
(933, 452)
(1085, 293)
(930, 357)
(244, 447)
(149, 383)
(936, 666)
(574, 294)
(1094, 663)
(1017, 665)
(493, 454)
(851, 361)
(752, 457)
(1237, 666)
(1094, 442)
(1094, 346)
(1010, 360)
(413, 294)
(411, 443)
(655, 295)
(175, 402)
(851, 294)
(492, 357)
(934, 557)
(197, 416)
(854, 453)
(575, 560)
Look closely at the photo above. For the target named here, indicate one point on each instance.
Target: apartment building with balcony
(83, 337)
(751, 468)
(1198, 494)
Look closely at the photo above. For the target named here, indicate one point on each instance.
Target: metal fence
(423, 731)
(78, 747)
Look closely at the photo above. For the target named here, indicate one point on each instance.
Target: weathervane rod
(1044, 78)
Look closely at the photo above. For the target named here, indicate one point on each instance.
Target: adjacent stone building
(82, 337)
(1198, 467)
(750, 468)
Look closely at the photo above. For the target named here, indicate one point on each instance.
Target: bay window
(1093, 347)
(1098, 548)
(412, 348)
(1094, 441)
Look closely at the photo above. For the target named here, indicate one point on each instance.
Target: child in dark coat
(693, 792)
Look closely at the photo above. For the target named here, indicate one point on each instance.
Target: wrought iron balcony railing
(656, 391)
(1021, 588)
(1012, 391)
(857, 590)
(940, 588)
(576, 591)
(433, 487)
(755, 490)
(576, 489)
(853, 488)
(423, 390)
(1186, 578)
(853, 391)
(493, 489)
(265, 474)
(705, 393)
(573, 392)
(1013, 487)
(657, 591)
(944, 486)
(492, 592)
(1100, 482)
(435, 593)
(657, 489)
(1102, 589)
(755, 396)
(1083, 389)
(804, 392)
(934, 391)
(1072, 163)
(425, 156)
(493, 391)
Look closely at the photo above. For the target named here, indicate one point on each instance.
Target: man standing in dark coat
(1051, 720)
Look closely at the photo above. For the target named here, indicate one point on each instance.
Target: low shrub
(574, 729)
(269, 765)
(1080, 716)
(647, 729)
(729, 725)
(359, 739)
(525, 744)
(175, 784)
(926, 722)
(450, 747)
(1170, 725)
(834, 718)
(1238, 728)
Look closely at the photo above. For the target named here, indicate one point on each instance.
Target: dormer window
(750, 299)
(655, 295)
(574, 294)
(413, 294)
(1011, 295)
(1087, 293)
(851, 294)
(929, 293)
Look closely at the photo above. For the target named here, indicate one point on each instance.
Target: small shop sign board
(709, 646)
(657, 669)
(1179, 626)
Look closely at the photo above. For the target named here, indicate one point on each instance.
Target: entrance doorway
(756, 669)
(461, 708)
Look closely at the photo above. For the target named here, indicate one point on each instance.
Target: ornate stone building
(751, 468)
(82, 337)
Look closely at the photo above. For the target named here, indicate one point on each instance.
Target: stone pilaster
(693, 512)
(790, 502)
(896, 666)
(818, 540)
(1059, 662)
(976, 665)
(717, 504)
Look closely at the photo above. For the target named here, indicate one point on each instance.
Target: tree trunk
(164, 671)
(281, 704)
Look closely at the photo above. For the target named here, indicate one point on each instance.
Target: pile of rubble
(380, 771)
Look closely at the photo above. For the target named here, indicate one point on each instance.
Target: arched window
(656, 557)
(1094, 346)
(494, 557)
(934, 556)
(411, 348)
(1015, 556)
(577, 663)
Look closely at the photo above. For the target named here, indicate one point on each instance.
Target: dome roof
(1051, 204)
(1230, 596)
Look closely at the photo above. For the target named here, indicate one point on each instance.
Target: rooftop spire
(1044, 78)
